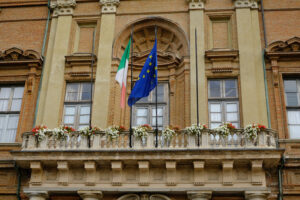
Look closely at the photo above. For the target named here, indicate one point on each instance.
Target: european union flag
(147, 79)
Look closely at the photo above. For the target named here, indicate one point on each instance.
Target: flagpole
(131, 70)
(156, 130)
(92, 73)
(197, 95)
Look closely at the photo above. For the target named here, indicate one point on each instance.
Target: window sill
(13, 144)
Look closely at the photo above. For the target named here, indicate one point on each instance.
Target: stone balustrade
(100, 141)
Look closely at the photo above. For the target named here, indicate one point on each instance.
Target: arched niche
(173, 66)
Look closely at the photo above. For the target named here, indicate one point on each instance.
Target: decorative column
(256, 195)
(37, 195)
(102, 82)
(90, 194)
(53, 81)
(199, 195)
(196, 11)
(250, 56)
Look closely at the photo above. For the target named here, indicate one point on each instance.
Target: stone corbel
(257, 174)
(90, 168)
(36, 173)
(63, 7)
(63, 171)
(246, 4)
(171, 173)
(227, 172)
(199, 195)
(117, 167)
(256, 195)
(36, 195)
(199, 172)
(196, 4)
(144, 172)
(109, 6)
(90, 194)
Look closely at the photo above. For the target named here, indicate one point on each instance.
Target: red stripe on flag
(123, 94)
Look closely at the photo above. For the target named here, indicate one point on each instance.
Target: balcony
(181, 141)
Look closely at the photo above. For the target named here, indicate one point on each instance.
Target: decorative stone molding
(290, 45)
(117, 167)
(199, 172)
(257, 195)
(63, 170)
(109, 6)
(36, 173)
(257, 172)
(171, 173)
(144, 172)
(15, 54)
(227, 172)
(90, 168)
(90, 194)
(63, 7)
(36, 195)
(246, 4)
(196, 4)
(199, 195)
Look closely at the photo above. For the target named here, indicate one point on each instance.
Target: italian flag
(121, 76)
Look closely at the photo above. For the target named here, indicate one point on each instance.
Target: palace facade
(219, 61)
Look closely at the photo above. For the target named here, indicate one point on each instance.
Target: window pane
(69, 110)
(232, 117)
(214, 125)
(72, 92)
(216, 117)
(3, 105)
(294, 117)
(69, 120)
(141, 120)
(16, 105)
(236, 125)
(3, 122)
(294, 131)
(230, 88)
(159, 121)
(142, 112)
(18, 92)
(13, 122)
(159, 111)
(5, 93)
(290, 86)
(86, 91)
(84, 119)
(160, 93)
(292, 99)
(84, 110)
(215, 107)
(231, 107)
(214, 88)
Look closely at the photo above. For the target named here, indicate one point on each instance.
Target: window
(10, 106)
(292, 99)
(223, 102)
(145, 112)
(77, 105)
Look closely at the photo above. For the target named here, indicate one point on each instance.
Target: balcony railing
(100, 141)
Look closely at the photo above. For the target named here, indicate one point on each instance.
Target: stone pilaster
(144, 172)
(90, 194)
(257, 173)
(171, 172)
(63, 171)
(196, 12)
(37, 195)
(199, 172)
(117, 168)
(102, 82)
(256, 195)
(36, 173)
(250, 57)
(227, 172)
(199, 195)
(90, 168)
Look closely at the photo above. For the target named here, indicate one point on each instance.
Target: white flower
(168, 133)
(140, 131)
(196, 130)
(112, 132)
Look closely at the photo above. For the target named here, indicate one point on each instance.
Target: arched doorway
(173, 71)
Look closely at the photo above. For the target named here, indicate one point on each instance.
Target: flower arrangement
(225, 129)
(251, 130)
(168, 133)
(142, 130)
(114, 131)
(87, 131)
(196, 130)
(62, 132)
(39, 132)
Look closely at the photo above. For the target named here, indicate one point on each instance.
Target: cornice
(246, 4)
(196, 4)
(284, 49)
(63, 7)
(109, 6)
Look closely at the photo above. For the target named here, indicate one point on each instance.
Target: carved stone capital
(63, 7)
(90, 194)
(256, 195)
(109, 6)
(196, 4)
(36, 195)
(199, 195)
(246, 4)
